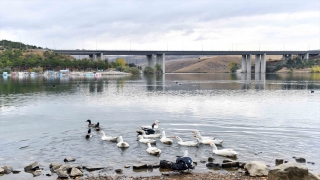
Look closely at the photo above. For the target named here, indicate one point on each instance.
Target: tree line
(27, 60)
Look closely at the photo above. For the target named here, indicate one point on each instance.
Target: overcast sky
(173, 25)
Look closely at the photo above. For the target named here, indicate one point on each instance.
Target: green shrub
(233, 66)
(148, 70)
(134, 70)
(158, 69)
(315, 69)
(8, 70)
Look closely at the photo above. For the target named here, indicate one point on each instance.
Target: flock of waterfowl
(147, 135)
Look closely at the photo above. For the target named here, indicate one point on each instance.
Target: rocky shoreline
(283, 170)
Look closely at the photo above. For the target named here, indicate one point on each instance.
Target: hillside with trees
(38, 60)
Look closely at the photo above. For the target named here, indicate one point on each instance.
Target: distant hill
(5, 44)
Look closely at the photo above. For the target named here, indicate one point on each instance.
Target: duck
(153, 126)
(206, 141)
(186, 143)
(89, 135)
(106, 138)
(148, 131)
(150, 135)
(223, 152)
(90, 125)
(164, 139)
(142, 140)
(97, 126)
(121, 143)
(204, 137)
(312, 91)
(153, 150)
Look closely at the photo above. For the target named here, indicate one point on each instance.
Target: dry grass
(211, 64)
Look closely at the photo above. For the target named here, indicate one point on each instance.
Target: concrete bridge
(159, 56)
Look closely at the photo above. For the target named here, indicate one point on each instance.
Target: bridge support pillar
(306, 56)
(90, 56)
(249, 63)
(161, 59)
(284, 59)
(244, 64)
(290, 56)
(263, 63)
(149, 59)
(257, 64)
(98, 56)
(299, 56)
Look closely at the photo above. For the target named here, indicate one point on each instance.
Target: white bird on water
(153, 150)
(121, 143)
(108, 138)
(206, 141)
(204, 137)
(142, 140)
(223, 152)
(186, 143)
(164, 139)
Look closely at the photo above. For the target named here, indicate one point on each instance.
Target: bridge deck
(124, 52)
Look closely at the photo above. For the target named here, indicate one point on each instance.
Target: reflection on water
(42, 118)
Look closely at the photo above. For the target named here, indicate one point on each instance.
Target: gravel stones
(210, 159)
(69, 159)
(279, 161)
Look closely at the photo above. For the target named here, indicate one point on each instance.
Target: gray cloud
(71, 21)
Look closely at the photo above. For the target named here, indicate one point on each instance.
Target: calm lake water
(261, 117)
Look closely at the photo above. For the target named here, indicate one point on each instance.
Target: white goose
(204, 137)
(142, 140)
(108, 138)
(207, 141)
(223, 152)
(186, 143)
(153, 150)
(150, 135)
(153, 126)
(121, 143)
(164, 139)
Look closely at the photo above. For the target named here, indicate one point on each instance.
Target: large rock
(36, 173)
(1, 170)
(213, 165)
(75, 172)
(32, 167)
(7, 169)
(165, 164)
(94, 168)
(65, 167)
(289, 171)
(230, 164)
(54, 166)
(256, 168)
(62, 174)
(139, 166)
(69, 159)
